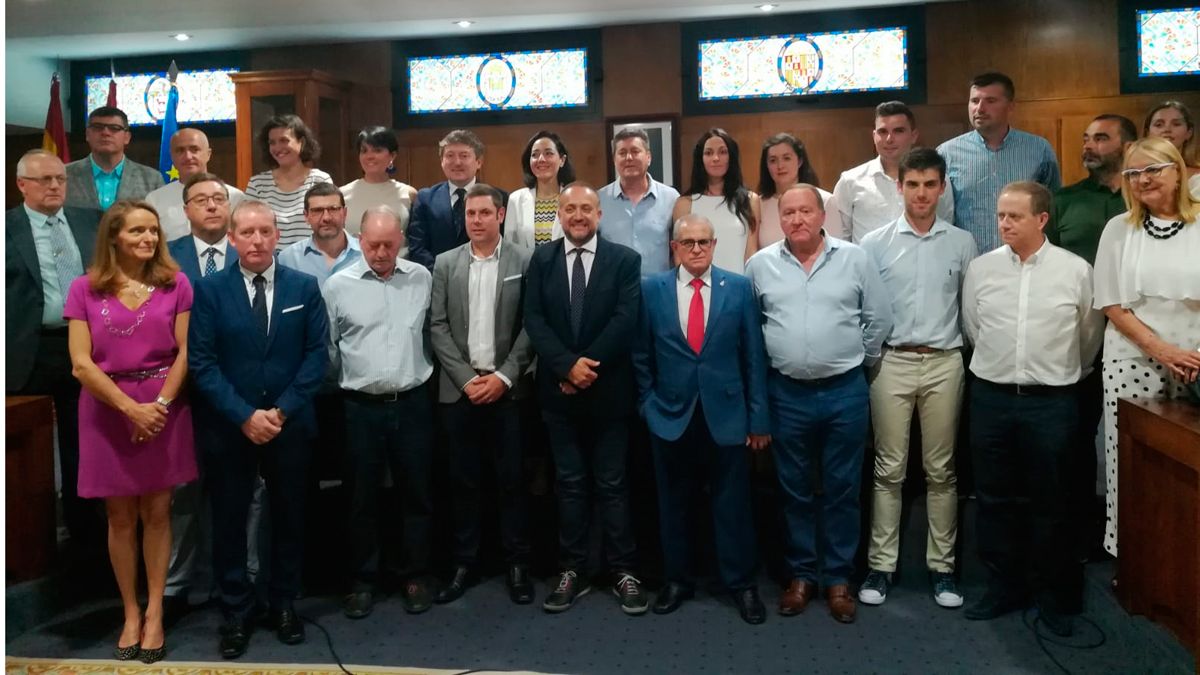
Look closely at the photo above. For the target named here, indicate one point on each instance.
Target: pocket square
(292, 309)
(515, 276)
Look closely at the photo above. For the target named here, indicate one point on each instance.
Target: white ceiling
(81, 29)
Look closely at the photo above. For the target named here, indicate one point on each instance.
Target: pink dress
(135, 347)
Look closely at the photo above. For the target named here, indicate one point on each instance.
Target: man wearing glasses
(329, 249)
(190, 153)
(106, 175)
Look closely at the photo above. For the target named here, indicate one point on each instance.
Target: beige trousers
(933, 385)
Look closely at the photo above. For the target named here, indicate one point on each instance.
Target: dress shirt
(269, 288)
(454, 189)
(869, 199)
(589, 256)
(924, 275)
(481, 308)
(684, 293)
(168, 201)
(202, 247)
(53, 297)
(644, 227)
(1079, 214)
(304, 256)
(976, 174)
(1031, 322)
(821, 323)
(770, 230)
(377, 327)
(107, 183)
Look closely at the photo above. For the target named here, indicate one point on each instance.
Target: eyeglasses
(205, 200)
(1153, 171)
(320, 211)
(691, 244)
(46, 181)
(114, 128)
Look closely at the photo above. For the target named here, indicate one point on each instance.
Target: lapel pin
(722, 283)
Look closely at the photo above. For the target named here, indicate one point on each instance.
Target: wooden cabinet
(29, 497)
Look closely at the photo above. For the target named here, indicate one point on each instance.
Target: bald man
(190, 152)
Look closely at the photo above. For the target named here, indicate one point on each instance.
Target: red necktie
(695, 325)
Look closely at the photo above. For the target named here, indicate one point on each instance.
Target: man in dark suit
(206, 250)
(47, 246)
(257, 354)
(581, 311)
(106, 175)
(478, 336)
(702, 381)
(438, 221)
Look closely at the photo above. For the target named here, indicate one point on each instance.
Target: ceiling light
(182, 37)
(766, 8)
(464, 23)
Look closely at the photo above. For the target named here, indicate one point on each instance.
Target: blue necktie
(258, 306)
(210, 265)
(66, 260)
(578, 286)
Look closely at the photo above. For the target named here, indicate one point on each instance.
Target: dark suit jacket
(137, 181)
(237, 371)
(728, 376)
(450, 318)
(23, 297)
(610, 316)
(183, 250)
(431, 230)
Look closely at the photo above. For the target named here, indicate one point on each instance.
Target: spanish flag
(55, 138)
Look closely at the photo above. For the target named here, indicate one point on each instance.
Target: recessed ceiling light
(182, 37)
(766, 8)
(464, 23)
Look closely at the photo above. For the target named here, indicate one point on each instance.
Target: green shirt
(1079, 214)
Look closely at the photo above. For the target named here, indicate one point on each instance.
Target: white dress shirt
(1031, 322)
(481, 308)
(269, 288)
(683, 286)
(222, 247)
(454, 191)
(589, 256)
(869, 199)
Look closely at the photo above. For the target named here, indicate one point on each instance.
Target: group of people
(203, 322)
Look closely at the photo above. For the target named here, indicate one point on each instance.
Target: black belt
(389, 397)
(816, 381)
(915, 349)
(1030, 389)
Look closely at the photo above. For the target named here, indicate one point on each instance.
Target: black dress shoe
(1062, 625)
(235, 637)
(671, 597)
(358, 605)
(520, 588)
(750, 606)
(457, 586)
(288, 627)
(994, 604)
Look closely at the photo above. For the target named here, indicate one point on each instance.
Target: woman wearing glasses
(1148, 284)
(1171, 120)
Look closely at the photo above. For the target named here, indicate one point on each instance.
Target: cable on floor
(1043, 639)
(328, 641)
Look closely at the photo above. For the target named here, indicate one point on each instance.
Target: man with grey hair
(378, 316)
(438, 221)
(637, 208)
(702, 382)
(190, 153)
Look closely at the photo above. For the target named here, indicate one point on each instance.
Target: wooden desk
(1158, 520)
(29, 483)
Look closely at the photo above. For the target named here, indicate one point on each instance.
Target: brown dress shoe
(841, 603)
(796, 597)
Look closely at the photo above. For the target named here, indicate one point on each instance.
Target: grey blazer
(449, 310)
(137, 181)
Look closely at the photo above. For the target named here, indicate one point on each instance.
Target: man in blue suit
(438, 221)
(257, 353)
(702, 383)
(206, 250)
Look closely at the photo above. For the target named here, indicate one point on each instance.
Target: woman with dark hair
(717, 193)
(782, 164)
(377, 148)
(127, 328)
(531, 218)
(1172, 121)
(289, 149)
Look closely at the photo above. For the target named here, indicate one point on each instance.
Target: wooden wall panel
(641, 69)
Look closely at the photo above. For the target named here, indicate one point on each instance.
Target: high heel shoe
(127, 653)
(155, 655)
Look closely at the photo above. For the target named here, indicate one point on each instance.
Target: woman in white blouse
(784, 163)
(531, 218)
(289, 149)
(377, 148)
(717, 193)
(1148, 284)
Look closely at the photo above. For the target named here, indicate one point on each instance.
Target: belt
(814, 382)
(388, 397)
(139, 375)
(915, 349)
(483, 373)
(1031, 389)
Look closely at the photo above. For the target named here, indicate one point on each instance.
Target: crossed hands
(263, 425)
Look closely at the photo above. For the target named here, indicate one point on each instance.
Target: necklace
(1161, 231)
(147, 292)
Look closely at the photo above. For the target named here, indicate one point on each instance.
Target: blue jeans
(818, 433)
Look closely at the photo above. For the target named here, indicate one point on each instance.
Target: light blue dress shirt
(822, 323)
(107, 183)
(644, 227)
(976, 174)
(304, 256)
(53, 297)
(923, 275)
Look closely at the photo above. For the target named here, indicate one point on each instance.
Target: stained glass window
(554, 78)
(1168, 42)
(204, 96)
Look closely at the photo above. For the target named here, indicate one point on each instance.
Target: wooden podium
(1158, 520)
(29, 486)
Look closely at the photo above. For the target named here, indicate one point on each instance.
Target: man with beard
(329, 249)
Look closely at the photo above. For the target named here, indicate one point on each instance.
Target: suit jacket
(610, 316)
(236, 370)
(728, 376)
(183, 250)
(137, 181)
(450, 316)
(431, 230)
(518, 220)
(24, 300)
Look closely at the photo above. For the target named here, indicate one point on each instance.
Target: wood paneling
(641, 69)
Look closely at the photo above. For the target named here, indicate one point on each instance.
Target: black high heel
(127, 653)
(155, 655)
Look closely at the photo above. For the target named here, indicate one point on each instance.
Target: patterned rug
(23, 666)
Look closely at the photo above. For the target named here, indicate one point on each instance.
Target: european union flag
(170, 125)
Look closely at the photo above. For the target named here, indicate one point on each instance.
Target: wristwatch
(164, 402)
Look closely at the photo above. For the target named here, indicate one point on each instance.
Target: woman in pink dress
(128, 321)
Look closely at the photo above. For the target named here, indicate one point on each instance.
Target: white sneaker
(945, 590)
(874, 588)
